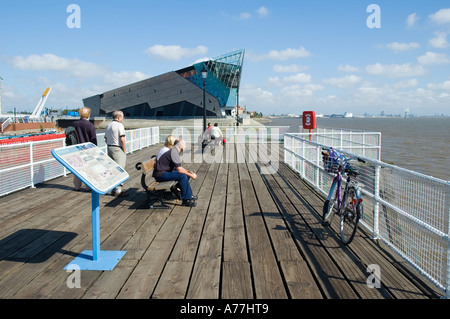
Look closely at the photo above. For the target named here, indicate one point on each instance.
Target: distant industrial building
(177, 93)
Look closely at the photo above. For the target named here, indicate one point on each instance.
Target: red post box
(309, 120)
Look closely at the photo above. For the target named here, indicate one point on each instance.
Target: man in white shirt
(216, 133)
(216, 137)
(116, 142)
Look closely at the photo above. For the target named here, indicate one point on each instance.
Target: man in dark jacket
(86, 133)
(85, 129)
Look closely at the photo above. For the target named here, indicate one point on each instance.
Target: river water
(420, 144)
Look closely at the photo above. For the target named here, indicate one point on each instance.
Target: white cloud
(293, 68)
(399, 47)
(411, 20)
(441, 17)
(396, 70)
(440, 41)
(343, 82)
(244, 16)
(174, 52)
(288, 54)
(297, 91)
(51, 62)
(297, 78)
(281, 55)
(204, 59)
(348, 68)
(405, 84)
(252, 96)
(263, 12)
(445, 86)
(433, 58)
(118, 79)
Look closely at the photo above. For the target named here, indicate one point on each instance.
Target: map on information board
(92, 165)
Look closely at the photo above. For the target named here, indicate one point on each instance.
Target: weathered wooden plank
(236, 280)
(326, 272)
(108, 285)
(280, 235)
(199, 288)
(186, 246)
(342, 256)
(175, 280)
(356, 269)
(185, 250)
(54, 277)
(299, 280)
(138, 244)
(267, 278)
(211, 242)
(143, 280)
(249, 237)
(235, 244)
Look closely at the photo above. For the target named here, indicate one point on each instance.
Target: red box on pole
(309, 120)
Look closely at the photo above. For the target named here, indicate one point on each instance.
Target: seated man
(168, 168)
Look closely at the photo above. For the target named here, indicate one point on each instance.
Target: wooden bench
(156, 191)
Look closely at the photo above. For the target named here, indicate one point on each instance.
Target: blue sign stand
(101, 174)
(96, 259)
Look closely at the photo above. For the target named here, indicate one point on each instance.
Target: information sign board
(101, 174)
(92, 165)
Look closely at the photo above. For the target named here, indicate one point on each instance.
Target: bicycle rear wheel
(351, 213)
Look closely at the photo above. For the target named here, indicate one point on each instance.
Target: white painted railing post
(376, 206)
(31, 165)
(447, 203)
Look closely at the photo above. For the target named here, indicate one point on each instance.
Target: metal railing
(27, 164)
(6, 123)
(233, 134)
(363, 143)
(408, 211)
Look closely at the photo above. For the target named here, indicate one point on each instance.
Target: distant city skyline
(328, 56)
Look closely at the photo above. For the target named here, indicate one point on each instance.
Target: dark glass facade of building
(178, 93)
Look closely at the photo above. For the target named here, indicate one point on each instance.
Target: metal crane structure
(33, 117)
(40, 106)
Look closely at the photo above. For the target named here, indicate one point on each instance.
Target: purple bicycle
(344, 201)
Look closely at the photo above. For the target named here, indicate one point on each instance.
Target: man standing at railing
(116, 142)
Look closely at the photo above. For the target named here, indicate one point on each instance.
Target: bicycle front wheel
(329, 207)
(350, 215)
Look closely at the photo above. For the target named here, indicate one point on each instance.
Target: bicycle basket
(331, 161)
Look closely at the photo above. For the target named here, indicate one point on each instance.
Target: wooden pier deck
(251, 236)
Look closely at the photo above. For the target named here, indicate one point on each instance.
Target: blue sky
(300, 55)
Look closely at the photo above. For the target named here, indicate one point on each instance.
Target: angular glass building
(177, 93)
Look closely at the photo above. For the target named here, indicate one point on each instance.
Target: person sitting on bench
(168, 145)
(168, 168)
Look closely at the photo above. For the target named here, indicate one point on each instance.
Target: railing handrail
(29, 169)
(6, 123)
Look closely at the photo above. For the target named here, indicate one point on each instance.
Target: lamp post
(204, 75)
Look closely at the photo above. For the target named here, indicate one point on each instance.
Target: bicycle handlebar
(344, 157)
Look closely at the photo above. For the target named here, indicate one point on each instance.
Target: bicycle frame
(337, 183)
(336, 187)
(347, 202)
